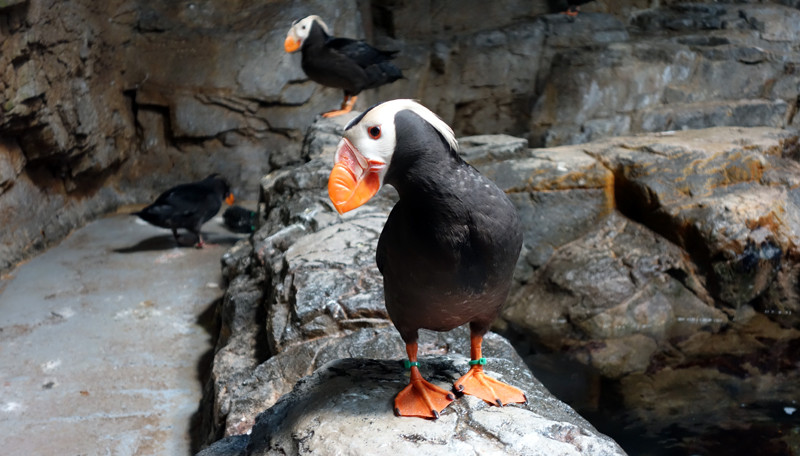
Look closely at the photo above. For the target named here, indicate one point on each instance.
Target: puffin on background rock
(449, 247)
(188, 206)
(341, 63)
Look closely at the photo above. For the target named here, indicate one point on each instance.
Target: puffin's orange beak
(291, 44)
(230, 199)
(354, 179)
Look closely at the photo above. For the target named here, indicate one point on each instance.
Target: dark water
(742, 420)
(766, 429)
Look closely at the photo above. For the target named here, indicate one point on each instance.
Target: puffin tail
(389, 55)
(382, 73)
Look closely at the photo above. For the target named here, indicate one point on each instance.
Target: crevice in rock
(164, 115)
(793, 109)
(382, 18)
(262, 348)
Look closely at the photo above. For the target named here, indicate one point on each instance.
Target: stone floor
(103, 339)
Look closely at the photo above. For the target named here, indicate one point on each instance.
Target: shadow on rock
(167, 242)
(209, 320)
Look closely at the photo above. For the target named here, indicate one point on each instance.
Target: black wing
(380, 253)
(360, 52)
(184, 196)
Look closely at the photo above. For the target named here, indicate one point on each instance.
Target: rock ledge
(345, 407)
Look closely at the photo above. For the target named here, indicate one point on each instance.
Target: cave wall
(66, 123)
(104, 104)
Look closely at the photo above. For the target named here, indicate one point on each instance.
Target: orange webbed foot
(572, 11)
(421, 398)
(476, 383)
(347, 106)
(338, 112)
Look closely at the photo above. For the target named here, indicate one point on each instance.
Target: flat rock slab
(246, 397)
(346, 408)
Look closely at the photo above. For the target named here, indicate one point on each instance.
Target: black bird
(449, 247)
(341, 63)
(239, 219)
(188, 206)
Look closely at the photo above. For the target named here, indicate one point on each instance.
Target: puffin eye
(374, 132)
(303, 27)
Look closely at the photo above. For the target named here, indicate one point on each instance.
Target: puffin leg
(476, 383)
(175, 235)
(347, 106)
(200, 242)
(420, 398)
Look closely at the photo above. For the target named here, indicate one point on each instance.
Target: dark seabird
(239, 219)
(341, 63)
(449, 247)
(188, 206)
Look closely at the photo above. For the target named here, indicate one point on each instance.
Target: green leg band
(408, 364)
(481, 362)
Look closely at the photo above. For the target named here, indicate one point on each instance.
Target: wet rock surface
(646, 259)
(105, 339)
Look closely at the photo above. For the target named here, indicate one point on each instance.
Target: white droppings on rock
(138, 314)
(167, 257)
(51, 365)
(12, 407)
(64, 313)
(182, 327)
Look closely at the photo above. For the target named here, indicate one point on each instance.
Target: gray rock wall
(111, 103)
(66, 125)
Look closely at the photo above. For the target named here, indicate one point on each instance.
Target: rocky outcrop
(644, 258)
(351, 401)
(304, 290)
(672, 298)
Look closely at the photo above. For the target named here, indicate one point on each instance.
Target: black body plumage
(450, 245)
(346, 64)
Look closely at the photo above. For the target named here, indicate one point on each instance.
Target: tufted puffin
(341, 63)
(449, 247)
(188, 206)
